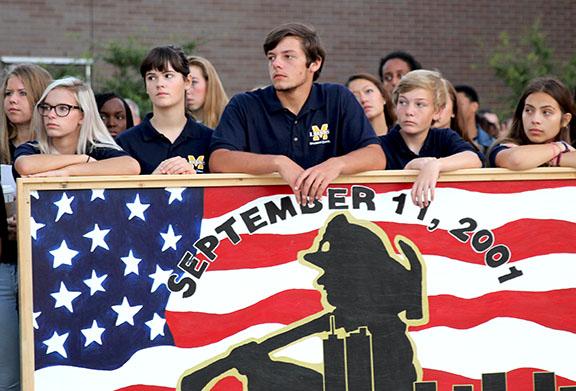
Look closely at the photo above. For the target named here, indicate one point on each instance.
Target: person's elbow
(133, 167)
(130, 166)
(24, 165)
(220, 161)
(475, 161)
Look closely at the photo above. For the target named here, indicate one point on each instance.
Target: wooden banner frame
(27, 185)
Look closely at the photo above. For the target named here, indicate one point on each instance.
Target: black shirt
(438, 143)
(150, 147)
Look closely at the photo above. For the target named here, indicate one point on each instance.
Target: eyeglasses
(61, 110)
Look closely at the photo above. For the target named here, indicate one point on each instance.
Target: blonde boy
(414, 145)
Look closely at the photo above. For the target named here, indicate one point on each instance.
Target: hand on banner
(312, 183)
(423, 188)
(173, 166)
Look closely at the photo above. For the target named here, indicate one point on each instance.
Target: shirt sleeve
(30, 148)
(454, 144)
(102, 153)
(392, 160)
(492, 154)
(357, 131)
(231, 131)
(26, 149)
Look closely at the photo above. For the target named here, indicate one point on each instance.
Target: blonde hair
(35, 80)
(427, 80)
(93, 132)
(216, 98)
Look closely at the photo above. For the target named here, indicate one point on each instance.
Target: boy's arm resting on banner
(309, 184)
(312, 183)
(430, 168)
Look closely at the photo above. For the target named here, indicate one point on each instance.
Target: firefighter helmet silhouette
(370, 294)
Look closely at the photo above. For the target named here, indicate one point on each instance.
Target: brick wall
(451, 36)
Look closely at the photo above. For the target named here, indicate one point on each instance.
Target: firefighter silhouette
(370, 295)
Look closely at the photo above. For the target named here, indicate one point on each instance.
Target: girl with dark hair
(168, 141)
(115, 113)
(540, 132)
(375, 101)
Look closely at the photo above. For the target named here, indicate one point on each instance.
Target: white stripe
(221, 292)
(157, 366)
(500, 345)
(446, 276)
(450, 205)
(231, 290)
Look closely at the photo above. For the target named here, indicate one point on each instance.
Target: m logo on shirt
(198, 163)
(319, 134)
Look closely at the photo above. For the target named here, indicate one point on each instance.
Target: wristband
(565, 145)
(556, 151)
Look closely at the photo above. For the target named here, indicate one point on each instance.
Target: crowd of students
(308, 132)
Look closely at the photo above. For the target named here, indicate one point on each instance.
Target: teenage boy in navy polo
(307, 132)
(414, 145)
(167, 141)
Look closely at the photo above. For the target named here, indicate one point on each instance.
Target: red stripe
(507, 187)
(229, 383)
(222, 200)
(517, 380)
(194, 329)
(552, 309)
(290, 306)
(142, 387)
(265, 250)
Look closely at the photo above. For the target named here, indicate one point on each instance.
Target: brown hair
(558, 91)
(455, 121)
(35, 80)
(389, 113)
(160, 57)
(308, 38)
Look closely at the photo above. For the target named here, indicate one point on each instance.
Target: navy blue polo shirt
(331, 123)
(150, 147)
(98, 153)
(438, 143)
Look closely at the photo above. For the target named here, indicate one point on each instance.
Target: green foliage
(60, 71)
(518, 62)
(125, 57)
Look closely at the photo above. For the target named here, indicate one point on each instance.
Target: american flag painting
(500, 279)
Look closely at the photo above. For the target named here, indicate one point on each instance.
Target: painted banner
(238, 287)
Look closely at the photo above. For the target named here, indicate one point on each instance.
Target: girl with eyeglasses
(71, 139)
